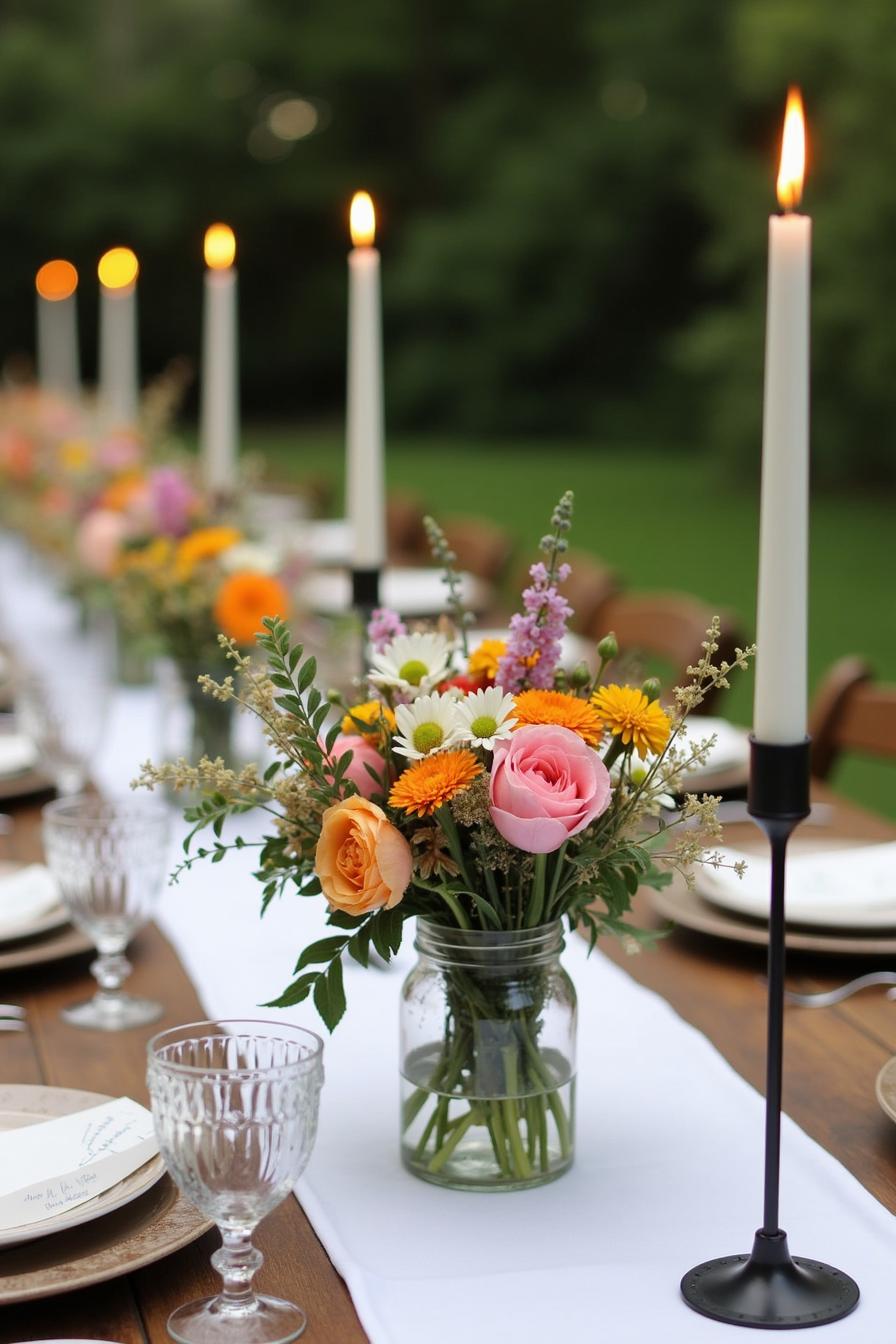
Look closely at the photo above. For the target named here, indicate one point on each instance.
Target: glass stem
(237, 1262)
(110, 970)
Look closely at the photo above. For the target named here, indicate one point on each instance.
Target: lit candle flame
(56, 280)
(362, 220)
(220, 247)
(118, 268)
(793, 153)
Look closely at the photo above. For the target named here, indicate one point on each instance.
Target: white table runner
(669, 1149)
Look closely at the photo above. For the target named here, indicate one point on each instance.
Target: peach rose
(362, 860)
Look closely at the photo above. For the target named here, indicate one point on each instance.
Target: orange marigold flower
(119, 494)
(205, 544)
(557, 707)
(628, 714)
(242, 602)
(435, 780)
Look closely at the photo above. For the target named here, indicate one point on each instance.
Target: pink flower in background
(364, 753)
(99, 540)
(173, 501)
(384, 626)
(120, 451)
(546, 785)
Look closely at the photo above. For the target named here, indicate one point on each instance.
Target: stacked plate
(20, 772)
(840, 898)
(34, 926)
(134, 1222)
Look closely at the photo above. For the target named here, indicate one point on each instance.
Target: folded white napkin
(842, 888)
(730, 750)
(26, 895)
(17, 753)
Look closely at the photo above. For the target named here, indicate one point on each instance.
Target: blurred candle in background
(119, 382)
(58, 362)
(365, 487)
(779, 710)
(219, 395)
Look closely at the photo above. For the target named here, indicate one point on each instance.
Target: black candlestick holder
(365, 597)
(769, 1288)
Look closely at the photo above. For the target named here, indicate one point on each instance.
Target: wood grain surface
(832, 1058)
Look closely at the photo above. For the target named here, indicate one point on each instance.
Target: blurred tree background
(573, 201)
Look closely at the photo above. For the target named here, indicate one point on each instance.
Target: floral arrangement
(180, 591)
(487, 790)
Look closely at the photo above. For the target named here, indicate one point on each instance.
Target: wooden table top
(832, 1057)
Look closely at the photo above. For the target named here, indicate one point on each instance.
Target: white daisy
(248, 555)
(485, 717)
(412, 663)
(428, 724)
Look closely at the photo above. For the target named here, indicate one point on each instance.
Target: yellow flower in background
(556, 707)
(149, 559)
(372, 712)
(435, 780)
(205, 544)
(628, 714)
(75, 455)
(484, 659)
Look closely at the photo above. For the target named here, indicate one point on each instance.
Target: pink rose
(364, 753)
(546, 785)
(99, 541)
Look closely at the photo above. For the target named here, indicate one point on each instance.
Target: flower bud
(580, 676)
(608, 648)
(651, 688)
(334, 696)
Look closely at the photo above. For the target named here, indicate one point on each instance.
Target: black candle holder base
(770, 1289)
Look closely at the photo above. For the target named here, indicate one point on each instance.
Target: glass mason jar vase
(488, 1058)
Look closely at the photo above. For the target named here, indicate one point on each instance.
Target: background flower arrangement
(484, 790)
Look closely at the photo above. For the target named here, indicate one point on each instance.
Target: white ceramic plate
(29, 908)
(22, 1104)
(17, 754)
(852, 888)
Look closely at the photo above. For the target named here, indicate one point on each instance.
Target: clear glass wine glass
(110, 858)
(235, 1107)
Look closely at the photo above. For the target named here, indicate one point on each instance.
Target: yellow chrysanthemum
(435, 780)
(484, 659)
(567, 711)
(628, 714)
(204, 544)
(75, 455)
(372, 712)
(148, 559)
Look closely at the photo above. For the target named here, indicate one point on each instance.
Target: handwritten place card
(51, 1167)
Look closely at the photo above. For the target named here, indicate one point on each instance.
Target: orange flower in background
(16, 455)
(435, 780)
(205, 544)
(566, 711)
(244, 599)
(119, 494)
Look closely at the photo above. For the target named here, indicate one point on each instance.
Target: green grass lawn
(662, 519)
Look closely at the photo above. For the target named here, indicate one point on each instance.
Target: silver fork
(827, 998)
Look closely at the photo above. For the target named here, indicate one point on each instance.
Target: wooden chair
(406, 542)
(669, 627)
(482, 547)
(851, 712)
